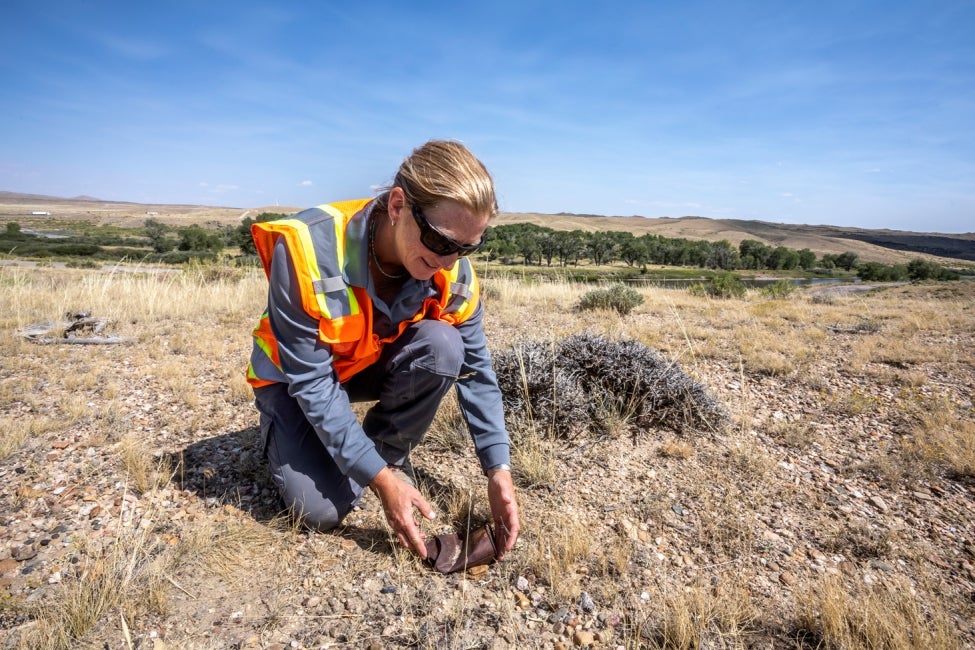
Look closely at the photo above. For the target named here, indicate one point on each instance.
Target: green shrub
(778, 289)
(618, 297)
(722, 285)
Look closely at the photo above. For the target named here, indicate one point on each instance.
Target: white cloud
(306, 183)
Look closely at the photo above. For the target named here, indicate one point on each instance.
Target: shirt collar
(356, 269)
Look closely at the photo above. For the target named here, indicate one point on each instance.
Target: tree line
(528, 244)
(523, 243)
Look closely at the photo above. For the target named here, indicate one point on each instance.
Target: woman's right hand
(399, 500)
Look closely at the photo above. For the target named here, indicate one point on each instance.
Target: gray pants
(409, 381)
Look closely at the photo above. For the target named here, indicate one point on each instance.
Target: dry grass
(146, 471)
(887, 615)
(112, 583)
(701, 617)
(942, 438)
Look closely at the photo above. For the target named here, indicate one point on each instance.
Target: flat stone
(583, 638)
(24, 553)
(787, 579)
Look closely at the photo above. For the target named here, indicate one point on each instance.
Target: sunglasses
(438, 242)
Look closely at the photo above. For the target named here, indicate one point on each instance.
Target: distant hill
(886, 246)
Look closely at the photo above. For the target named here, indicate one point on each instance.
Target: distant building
(40, 213)
(151, 212)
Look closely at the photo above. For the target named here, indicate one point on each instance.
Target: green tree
(754, 254)
(807, 259)
(847, 260)
(195, 238)
(601, 248)
(158, 234)
(722, 255)
(634, 251)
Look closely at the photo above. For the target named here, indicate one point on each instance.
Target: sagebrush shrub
(618, 297)
(722, 285)
(778, 289)
(568, 386)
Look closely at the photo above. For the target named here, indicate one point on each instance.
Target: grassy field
(835, 511)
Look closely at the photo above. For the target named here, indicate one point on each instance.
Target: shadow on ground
(230, 470)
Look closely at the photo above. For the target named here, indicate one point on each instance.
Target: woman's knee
(313, 510)
(439, 346)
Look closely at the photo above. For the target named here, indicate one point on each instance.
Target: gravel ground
(739, 529)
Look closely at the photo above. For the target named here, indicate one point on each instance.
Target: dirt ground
(137, 511)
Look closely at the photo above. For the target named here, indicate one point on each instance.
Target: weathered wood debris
(80, 328)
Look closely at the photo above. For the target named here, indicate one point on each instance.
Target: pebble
(585, 603)
(787, 579)
(880, 503)
(583, 638)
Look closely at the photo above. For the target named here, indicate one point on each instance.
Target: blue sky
(847, 113)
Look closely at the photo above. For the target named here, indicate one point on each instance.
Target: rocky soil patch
(142, 503)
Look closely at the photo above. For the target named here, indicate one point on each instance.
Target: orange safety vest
(316, 242)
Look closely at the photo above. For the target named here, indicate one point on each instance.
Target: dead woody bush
(573, 385)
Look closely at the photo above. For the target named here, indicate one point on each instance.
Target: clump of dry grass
(940, 440)
(146, 470)
(17, 431)
(891, 616)
(556, 549)
(700, 617)
(676, 449)
(124, 578)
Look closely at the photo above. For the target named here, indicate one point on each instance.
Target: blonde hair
(446, 170)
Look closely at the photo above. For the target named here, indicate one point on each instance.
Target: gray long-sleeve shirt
(306, 362)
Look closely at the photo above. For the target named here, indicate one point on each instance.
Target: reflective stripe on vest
(316, 242)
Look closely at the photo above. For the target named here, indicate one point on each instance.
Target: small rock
(878, 502)
(312, 602)
(585, 603)
(476, 571)
(583, 638)
(787, 579)
(521, 583)
(24, 553)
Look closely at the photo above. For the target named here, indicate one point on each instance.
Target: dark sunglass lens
(439, 244)
(436, 241)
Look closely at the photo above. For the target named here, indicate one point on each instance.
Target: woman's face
(452, 220)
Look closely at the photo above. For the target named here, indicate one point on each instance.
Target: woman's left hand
(504, 511)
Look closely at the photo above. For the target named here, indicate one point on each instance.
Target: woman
(374, 300)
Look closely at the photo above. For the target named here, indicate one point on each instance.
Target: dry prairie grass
(761, 536)
(880, 616)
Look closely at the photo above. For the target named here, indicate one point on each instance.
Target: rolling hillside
(887, 246)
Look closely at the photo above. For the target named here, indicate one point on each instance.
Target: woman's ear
(396, 203)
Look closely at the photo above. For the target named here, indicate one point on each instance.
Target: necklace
(372, 252)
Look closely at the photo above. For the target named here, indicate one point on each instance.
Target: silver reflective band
(505, 467)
